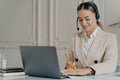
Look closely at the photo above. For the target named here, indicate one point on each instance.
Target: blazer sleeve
(110, 58)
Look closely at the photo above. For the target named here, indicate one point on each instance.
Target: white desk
(28, 78)
(102, 77)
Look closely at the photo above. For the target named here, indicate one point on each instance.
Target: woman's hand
(69, 63)
(81, 72)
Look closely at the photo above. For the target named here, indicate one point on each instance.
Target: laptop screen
(40, 61)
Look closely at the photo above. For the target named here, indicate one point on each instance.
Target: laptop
(40, 61)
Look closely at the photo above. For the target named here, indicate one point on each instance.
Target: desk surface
(102, 77)
(28, 78)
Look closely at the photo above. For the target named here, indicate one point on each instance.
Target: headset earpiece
(97, 15)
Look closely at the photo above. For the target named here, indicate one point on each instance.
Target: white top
(87, 42)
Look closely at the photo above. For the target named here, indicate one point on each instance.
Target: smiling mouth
(84, 27)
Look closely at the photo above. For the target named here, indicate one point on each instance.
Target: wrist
(88, 71)
(91, 71)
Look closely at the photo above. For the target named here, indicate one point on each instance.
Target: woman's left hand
(77, 71)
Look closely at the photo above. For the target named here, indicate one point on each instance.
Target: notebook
(40, 61)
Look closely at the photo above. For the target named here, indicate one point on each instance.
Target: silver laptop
(40, 61)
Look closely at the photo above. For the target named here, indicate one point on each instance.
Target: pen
(67, 57)
(70, 62)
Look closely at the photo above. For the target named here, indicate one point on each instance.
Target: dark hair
(92, 7)
(89, 6)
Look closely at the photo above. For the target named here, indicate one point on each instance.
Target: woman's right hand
(70, 64)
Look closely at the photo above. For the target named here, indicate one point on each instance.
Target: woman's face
(87, 20)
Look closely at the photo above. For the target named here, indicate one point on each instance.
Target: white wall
(112, 19)
(17, 27)
(43, 22)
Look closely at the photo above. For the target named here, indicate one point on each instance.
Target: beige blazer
(102, 56)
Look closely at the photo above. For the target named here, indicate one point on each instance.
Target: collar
(93, 33)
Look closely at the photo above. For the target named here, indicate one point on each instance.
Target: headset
(88, 4)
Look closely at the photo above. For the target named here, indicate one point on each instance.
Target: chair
(118, 69)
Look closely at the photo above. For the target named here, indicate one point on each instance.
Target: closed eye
(80, 20)
(87, 19)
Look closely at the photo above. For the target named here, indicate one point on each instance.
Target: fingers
(68, 72)
(70, 65)
(74, 66)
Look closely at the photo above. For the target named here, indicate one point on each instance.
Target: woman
(93, 51)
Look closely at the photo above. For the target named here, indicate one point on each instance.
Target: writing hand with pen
(71, 68)
(69, 63)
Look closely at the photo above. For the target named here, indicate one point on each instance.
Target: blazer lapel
(95, 43)
(79, 51)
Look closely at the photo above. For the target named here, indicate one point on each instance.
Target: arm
(71, 68)
(110, 59)
(78, 71)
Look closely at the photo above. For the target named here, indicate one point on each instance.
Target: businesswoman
(93, 51)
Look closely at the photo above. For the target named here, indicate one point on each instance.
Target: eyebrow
(84, 17)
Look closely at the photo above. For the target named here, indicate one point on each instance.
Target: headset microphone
(78, 28)
(77, 24)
